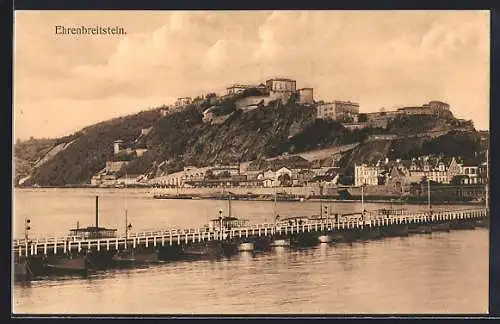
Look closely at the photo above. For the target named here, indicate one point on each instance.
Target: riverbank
(396, 201)
(286, 194)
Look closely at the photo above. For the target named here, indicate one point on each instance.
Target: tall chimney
(96, 211)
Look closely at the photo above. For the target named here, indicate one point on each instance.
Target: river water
(418, 274)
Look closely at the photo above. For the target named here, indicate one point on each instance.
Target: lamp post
(27, 228)
(429, 194)
(486, 200)
(220, 221)
(128, 227)
(320, 207)
(362, 197)
(274, 207)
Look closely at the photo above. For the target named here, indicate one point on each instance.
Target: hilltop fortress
(283, 90)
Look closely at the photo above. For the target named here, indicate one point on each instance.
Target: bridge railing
(274, 227)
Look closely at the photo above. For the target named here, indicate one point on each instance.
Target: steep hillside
(31, 152)
(410, 125)
(183, 139)
(367, 152)
(453, 143)
(254, 135)
(32, 149)
(90, 149)
(269, 130)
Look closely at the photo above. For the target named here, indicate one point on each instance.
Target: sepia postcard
(250, 162)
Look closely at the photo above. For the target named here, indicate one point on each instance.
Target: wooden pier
(23, 249)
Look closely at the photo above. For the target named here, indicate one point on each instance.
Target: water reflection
(437, 273)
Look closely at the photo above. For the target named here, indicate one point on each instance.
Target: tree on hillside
(362, 118)
(452, 144)
(199, 148)
(346, 180)
(348, 119)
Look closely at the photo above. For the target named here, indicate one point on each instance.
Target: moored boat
(202, 250)
(235, 246)
(463, 225)
(440, 227)
(89, 259)
(92, 232)
(345, 236)
(132, 257)
(484, 223)
(284, 197)
(370, 233)
(419, 228)
(394, 230)
(180, 196)
(304, 240)
(22, 270)
(69, 264)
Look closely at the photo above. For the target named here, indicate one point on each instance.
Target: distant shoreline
(328, 199)
(416, 200)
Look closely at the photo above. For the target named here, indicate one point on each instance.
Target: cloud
(62, 116)
(377, 58)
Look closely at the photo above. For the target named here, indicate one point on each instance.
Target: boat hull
(22, 271)
(440, 227)
(202, 250)
(130, 258)
(463, 225)
(170, 253)
(394, 230)
(483, 223)
(263, 243)
(100, 260)
(304, 240)
(344, 236)
(370, 233)
(73, 265)
(419, 229)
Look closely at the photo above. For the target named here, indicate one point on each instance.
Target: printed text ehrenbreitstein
(90, 30)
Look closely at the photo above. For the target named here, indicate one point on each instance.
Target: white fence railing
(193, 234)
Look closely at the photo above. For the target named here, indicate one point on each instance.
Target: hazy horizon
(388, 59)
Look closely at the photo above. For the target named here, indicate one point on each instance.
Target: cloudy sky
(377, 58)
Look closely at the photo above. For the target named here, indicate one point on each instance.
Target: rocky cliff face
(88, 152)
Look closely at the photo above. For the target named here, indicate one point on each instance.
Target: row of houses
(218, 176)
(439, 170)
